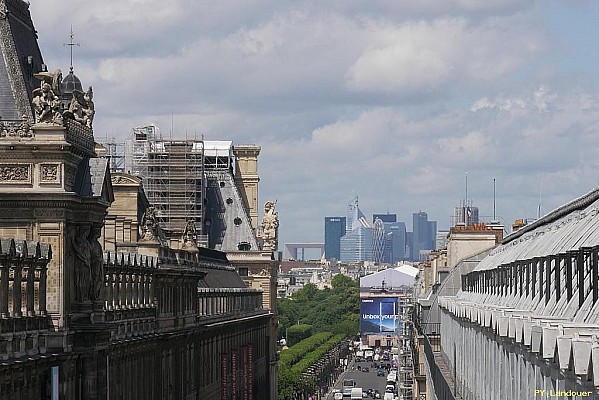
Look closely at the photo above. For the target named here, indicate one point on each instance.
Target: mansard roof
(20, 58)
(93, 179)
(571, 226)
(231, 228)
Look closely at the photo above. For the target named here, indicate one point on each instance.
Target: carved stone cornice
(23, 213)
(81, 136)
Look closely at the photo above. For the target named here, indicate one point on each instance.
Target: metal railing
(440, 384)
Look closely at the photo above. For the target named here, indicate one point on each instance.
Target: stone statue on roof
(46, 99)
(189, 237)
(81, 107)
(149, 224)
(270, 226)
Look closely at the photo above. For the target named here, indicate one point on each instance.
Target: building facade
(424, 234)
(357, 245)
(334, 230)
(96, 303)
(527, 307)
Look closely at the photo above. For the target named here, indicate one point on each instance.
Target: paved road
(365, 380)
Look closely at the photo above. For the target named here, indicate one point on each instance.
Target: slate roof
(92, 174)
(230, 224)
(222, 278)
(20, 59)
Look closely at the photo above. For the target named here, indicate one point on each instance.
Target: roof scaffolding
(172, 172)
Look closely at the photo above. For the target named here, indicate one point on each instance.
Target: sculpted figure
(46, 102)
(96, 265)
(81, 107)
(148, 225)
(189, 236)
(270, 226)
(24, 128)
(82, 249)
(88, 110)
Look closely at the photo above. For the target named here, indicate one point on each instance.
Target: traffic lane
(364, 380)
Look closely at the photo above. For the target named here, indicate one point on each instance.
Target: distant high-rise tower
(386, 218)
(354, 215)
(357, 245)
(395, 242)
(378, 241)
(394, 238)
(425, 233)
(334, 230)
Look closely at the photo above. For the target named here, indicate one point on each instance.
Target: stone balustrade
(218, 301)
(23, 268)
(145, 295)
(23, 320)
(129, 281)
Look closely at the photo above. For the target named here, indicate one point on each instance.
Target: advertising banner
(378, 315)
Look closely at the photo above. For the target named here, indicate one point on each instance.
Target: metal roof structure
(392, 278)
(534, 298)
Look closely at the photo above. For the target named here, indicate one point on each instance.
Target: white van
(388, 396)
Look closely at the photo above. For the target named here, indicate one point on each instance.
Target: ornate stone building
(94, 304)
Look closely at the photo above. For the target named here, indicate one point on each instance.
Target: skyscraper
(354, 215)
(378, 241)
(394, 238)
(385, 217)
(357, 245)
(424, 236)
(334, 230)
(395, 242)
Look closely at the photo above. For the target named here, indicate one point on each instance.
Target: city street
(365, 380)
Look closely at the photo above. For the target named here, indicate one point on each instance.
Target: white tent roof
(408, 269)
(393, 278)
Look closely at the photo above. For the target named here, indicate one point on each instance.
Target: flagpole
(466, 208)
(494, 218)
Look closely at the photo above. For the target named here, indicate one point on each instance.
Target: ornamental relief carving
(15, 173)
(18, 213)
(121, 179)
(48, 213)
(22, 129)
(50, 173)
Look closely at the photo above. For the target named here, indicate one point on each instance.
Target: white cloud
(390, 100)
(424, 56)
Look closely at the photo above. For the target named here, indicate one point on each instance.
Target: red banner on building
(224, 375)
(250, 372)
(244, 372)
(234, 367)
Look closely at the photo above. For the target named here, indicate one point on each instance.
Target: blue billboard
(378, 315)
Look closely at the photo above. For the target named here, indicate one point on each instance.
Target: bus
(348, 385)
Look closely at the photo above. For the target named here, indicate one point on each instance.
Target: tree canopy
(333, 309)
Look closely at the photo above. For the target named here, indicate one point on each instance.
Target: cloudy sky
(393, 101)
